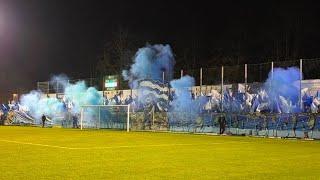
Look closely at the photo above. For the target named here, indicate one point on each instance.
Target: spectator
(222, 123)
(44, 118)
(75, 121)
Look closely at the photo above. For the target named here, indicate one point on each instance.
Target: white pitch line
(35, 144)
(151, 145)
(113, 147)
(105, 147)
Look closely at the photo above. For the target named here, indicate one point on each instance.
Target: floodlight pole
(245, 80)
(271, 75)
(300, 82)
(162, 77)
(200, 81)
(272, 70)
(222, 93)
(103, 86)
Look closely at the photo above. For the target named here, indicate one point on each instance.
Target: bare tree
(117, 53)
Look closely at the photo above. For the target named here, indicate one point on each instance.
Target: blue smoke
(76, 95)
(79, 94)
(59, 82)
(183, 107)
(283, 83)
(182, 101)
(38, 104)
(280, 92)
(149, 63)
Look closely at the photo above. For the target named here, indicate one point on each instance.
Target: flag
(153, 92)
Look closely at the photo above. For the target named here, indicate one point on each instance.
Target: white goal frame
(99, 107)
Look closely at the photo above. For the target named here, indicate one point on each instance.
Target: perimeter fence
(222, 76)
(301, 125)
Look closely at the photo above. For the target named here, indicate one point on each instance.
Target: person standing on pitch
(222, 123)
(44, 118)
(75, 121)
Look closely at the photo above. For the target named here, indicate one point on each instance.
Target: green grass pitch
(54, 153)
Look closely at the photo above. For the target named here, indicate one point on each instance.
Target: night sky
(39, 38)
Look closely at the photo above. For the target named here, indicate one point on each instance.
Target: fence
(302, 125)
(245, 73)
(298, 125)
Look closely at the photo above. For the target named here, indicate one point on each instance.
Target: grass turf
(54, 153)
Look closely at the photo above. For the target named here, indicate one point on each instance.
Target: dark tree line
(281, 37)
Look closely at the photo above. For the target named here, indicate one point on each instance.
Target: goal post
(105, 117)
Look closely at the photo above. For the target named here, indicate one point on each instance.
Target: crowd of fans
(232, 102)
(6, 108)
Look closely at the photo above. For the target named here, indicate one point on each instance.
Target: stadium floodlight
(105, 116)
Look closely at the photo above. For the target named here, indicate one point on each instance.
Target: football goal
(105, 116)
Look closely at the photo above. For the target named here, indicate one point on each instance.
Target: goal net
(105, 116)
